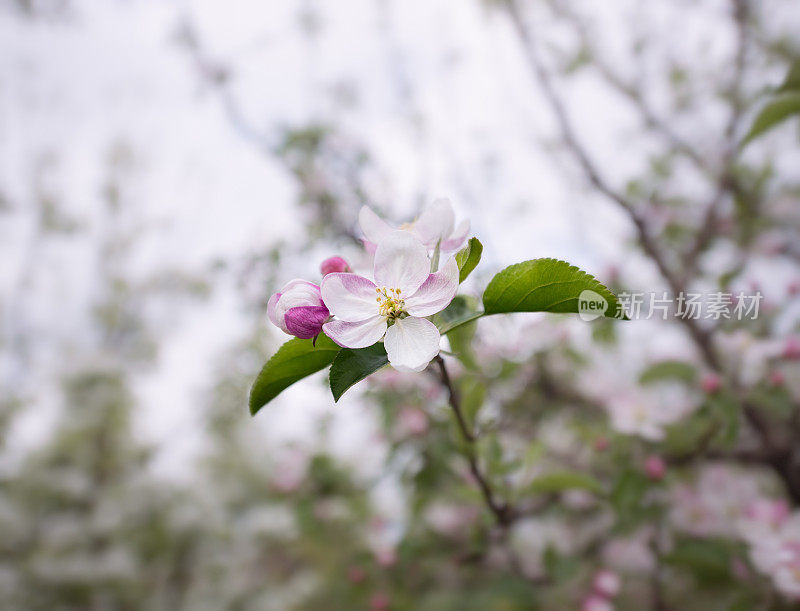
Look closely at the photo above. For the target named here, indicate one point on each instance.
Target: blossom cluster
(407, 286)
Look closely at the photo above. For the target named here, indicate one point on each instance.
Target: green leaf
(460, 311)
(777, 110)
(792, 80)
(669, 370)
(708, 560)
(626, 498)
(544, 285)
(293, 361)
(468, 258)
(353, 365)
(559, 481)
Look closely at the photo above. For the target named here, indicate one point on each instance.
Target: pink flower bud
(298, 309)
(596, 603)
(379, 602)
(710, 383)
(601, 444)
(333, 265)
(655, 467)
(791, 349)
(355, 574)
(776, 378)
(606, 583)
(793, 288)
(386, 557)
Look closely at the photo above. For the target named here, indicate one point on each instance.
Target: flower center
(390, 302)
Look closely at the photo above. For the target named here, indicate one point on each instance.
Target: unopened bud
(333, 265)
(655, 467)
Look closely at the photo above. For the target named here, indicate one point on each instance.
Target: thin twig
(503, 512)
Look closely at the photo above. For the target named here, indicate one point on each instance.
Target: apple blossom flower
(394, 306)
(606, 583)
(436, 225)
(635, 412)
(772, 512)
(298, 309)
(715, 503)
(778, 555)
(333, 265)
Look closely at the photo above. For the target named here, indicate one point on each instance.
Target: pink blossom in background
(355, 574)
(777, 555)
(606, 583)
(596, 603)
(412, 421)
(655, 467)
(710, 383)
(791, 349)
(715, 502)
(776, 378)
(379, 601)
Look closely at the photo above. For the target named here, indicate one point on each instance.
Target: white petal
(436, 292)
(272, 313)
(296, 293)
(457, 238)
(349, 296)
(356, 334)
(374, 227)
(436, 222)
(411, 343)
(401, 262)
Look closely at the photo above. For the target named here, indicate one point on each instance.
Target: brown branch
(503, 512)
(700, 336)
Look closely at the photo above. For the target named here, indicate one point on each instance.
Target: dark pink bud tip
(334, 265)
(306, 322)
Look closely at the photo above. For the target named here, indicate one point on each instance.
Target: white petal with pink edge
(374, 227)
(435, 223)
(457, 239)
(411, 343)
(356, 334)
(401, 261)
(349, 297)
(436, 292)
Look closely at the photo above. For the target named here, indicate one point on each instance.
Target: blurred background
(166, 166)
